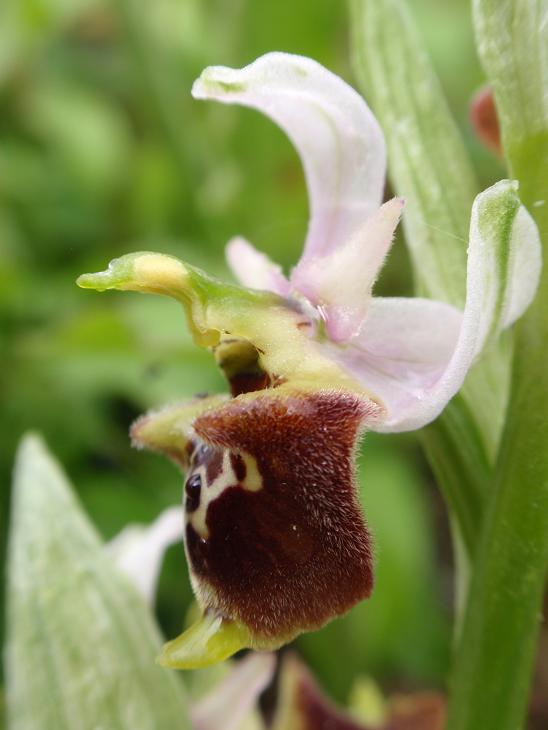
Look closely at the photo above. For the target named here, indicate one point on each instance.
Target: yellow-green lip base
(210, 640)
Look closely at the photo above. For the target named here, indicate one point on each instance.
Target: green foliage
(81, 641)
(428, 161)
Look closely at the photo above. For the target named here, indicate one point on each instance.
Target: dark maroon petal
(280, 543)
(318, 713)
(302, 705)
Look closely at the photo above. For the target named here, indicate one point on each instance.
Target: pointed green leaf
(428, 163)
(512, 38)
(81, 644)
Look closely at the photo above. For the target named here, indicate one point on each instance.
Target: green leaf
(81, 643)
(512, 38)
(428, 162)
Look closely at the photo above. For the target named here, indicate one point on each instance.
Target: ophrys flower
(274, 536)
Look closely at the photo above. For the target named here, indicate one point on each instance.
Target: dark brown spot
(193, 488)
(238, 464)
(211, 458)
(248, 383)
(214, 466)
(296, 553)
(193, 544)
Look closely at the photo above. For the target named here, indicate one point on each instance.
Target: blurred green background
(102, 152)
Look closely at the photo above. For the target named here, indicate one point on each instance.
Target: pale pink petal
(340, 283)
(414, 354)
(227, 705)
(253, 268)
(401, 352)
(338, 139)
(139, 550)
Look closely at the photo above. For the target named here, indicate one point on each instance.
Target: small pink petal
(340, 283)
(402, 351)
(253, 268)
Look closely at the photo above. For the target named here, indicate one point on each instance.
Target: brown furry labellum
(274, 533)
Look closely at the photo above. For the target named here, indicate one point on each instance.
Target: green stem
(496, 653)
(460, 465)
(502, 617)
(495, 658)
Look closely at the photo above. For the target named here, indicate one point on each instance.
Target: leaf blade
(81, 644)
(427, 159)
(512, 39)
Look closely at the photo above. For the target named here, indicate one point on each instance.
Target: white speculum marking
(226, 478)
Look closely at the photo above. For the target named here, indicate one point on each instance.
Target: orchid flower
(274, 534)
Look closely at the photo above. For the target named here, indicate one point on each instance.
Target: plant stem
(501, 623)
(461, 468)
(495, 657)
